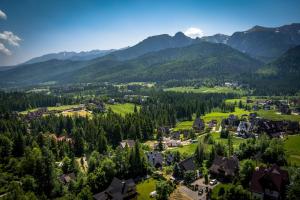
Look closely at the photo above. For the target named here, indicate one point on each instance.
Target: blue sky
(46, 26)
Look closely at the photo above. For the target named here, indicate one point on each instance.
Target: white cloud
(10, 38)
(2, 15)
(193, 32)
(4, 50)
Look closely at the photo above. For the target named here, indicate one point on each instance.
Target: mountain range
(164, 58)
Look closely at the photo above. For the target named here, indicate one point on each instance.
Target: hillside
(264, 43)
(203, 60)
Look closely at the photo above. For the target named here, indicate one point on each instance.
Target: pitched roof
(129, 143)
(225, 165)
(117, 190)
(188, 164)
(272, 178)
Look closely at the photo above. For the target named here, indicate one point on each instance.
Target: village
(190, 179)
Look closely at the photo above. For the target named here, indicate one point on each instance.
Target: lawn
(144, 188)
(235, 140)
(58, 108)
(81, 113)
(274, 115)
(216, 89)
(216, 189)
(187, 149)
(292, 146)
(122, 109)
(184, 125)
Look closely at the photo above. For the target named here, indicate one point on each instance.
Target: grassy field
(235, 140)
(187, 149)
(274, 115)
(144, 188)
(122, 109)
(216, 189)
(81, 113)
(292, 146)
(207, 90)
(59, 108)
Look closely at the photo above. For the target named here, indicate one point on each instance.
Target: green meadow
(144, 188)
(216, 89)
(122, 109)
(292, 146)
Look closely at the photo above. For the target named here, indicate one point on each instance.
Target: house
(175, 135)
(155, 159)
(67, 178)
(163, 130)
(128, 143)
(224, 167)
(266, 107)
(188, 164)
(199, 124)
(285, 109)
(243, 129)
(119, 190)
(111, 101)
(169, 159)
(172, 143)
(255, 107)
(212, 123)
(269, 183)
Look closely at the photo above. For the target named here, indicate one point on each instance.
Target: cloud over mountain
(10, 38)
(193, 32)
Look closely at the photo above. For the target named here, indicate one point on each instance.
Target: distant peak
(180, 34)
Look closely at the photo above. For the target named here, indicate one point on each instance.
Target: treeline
(19, 101)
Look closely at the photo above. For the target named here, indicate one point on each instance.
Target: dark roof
(117, 190)
(129, 143)
(198, 123)
(272, 178)
(224, 165)
(66, 178)
(188, 164)
(155, 158)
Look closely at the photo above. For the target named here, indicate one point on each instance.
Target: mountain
(217, 38)
(196, 61)
(153, 43)
(74, 56)
(264, 43)
(37, 73)
(280, 75)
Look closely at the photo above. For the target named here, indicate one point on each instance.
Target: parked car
(200, 191)
(153, 194)
(213, 182)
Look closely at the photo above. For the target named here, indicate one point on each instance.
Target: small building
(269, 183)
(163, 130)
(155, 159)
(199, 124)
(128, 143)
(175, 135)
(224, 167)
(188, 164)
(118, 189)
(67, 178)
(243, 129)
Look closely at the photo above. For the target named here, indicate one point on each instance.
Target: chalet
(243, 129)
(224, 167)
(212, 123)
(255, 107)
(155, 159)
(252, 116)
(172, 143)
(175, 135)
(269, 183)
(119, 190)
(36, 114)
(188, 164)
(266, 107)
(169, 159)
(199, 124)
(128, 143)
(285, 109)
(67, 178)
(163, 130)
(231, 122)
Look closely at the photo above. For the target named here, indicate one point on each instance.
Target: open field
(235, 140)
(187, 149)
(122, 109)
(292, 146)
(216, 89)
(144, 188)
(81, 113)
(273, 115)
(58, 108)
